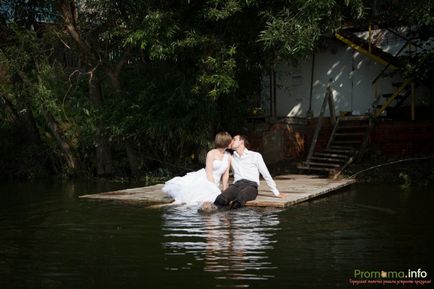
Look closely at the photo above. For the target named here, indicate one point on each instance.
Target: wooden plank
(335, 160)
(348, 141)
(318, 126)
(323, 164)
(298, 188)
(342, 147)
(350, 134)
(352, 127)
(354, 118)
(300, 192)
(332, 135)
(332, 150)
(304, 167)
(340, 156)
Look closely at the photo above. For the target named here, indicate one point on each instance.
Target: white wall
(351, 75)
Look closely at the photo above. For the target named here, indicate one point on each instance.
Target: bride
(203, 185)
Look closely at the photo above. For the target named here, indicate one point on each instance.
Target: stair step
(353, 127)
(327, 165)
(387, 108)
(388, 95)
(303, 167)
(335, 160)
(340, 156)
(353, 118)
(342, 148)
(338, 151)
(350, 134)
(347, 141)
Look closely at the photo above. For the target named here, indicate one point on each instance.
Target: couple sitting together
(202, 187)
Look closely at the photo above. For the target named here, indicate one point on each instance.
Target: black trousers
(238, 193)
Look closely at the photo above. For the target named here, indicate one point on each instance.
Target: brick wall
(393, 137)
(281, 141)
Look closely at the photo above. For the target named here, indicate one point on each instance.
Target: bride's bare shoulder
(211, 153)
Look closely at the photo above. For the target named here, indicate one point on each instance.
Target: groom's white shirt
(249, 165)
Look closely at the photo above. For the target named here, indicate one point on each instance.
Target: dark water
(51, 239)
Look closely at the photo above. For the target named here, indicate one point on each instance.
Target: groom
(246, 166)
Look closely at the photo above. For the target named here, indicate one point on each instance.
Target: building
(362, 68)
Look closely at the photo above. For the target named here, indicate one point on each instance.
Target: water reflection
(233, 245)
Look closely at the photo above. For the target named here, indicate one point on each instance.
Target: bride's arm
(208, 166)
(225, 177)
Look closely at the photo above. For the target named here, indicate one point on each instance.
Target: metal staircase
(350, 135)
(403, 89)
(394, 100)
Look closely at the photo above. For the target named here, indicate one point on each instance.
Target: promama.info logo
(408, 277)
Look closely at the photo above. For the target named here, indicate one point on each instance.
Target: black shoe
(235, 205)
(207, 207)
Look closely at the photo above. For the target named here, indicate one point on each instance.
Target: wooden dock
(297, 189)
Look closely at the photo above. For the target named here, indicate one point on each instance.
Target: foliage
(294, 30)
(171, 73)
(418, 17)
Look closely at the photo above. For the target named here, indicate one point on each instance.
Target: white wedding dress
(194, 187)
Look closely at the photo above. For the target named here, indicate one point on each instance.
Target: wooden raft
(298, 188)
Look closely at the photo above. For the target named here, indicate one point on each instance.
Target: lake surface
(51, 239)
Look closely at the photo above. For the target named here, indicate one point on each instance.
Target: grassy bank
(406, 171)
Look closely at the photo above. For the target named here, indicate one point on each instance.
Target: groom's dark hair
(244, 138)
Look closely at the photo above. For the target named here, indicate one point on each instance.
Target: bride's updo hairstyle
(222, 140)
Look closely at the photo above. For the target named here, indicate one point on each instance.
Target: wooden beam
(392, 98)
(362, 50)
(413, 102)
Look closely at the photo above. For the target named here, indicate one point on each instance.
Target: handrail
(390, 63)
(328, 99)
(405, 38)
(390, 99)
(335, 127)
(360, 49)
(408, 41)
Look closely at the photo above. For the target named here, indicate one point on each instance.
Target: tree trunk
(30, 124)
(103, 149)
(70, 159)
(132, 158)
(10, 109)
(23, 118)
(104, 164)
(94, 64)
(114, 71)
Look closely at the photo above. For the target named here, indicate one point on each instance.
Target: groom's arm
(266, 175)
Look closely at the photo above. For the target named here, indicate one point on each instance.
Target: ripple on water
(233, 245)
